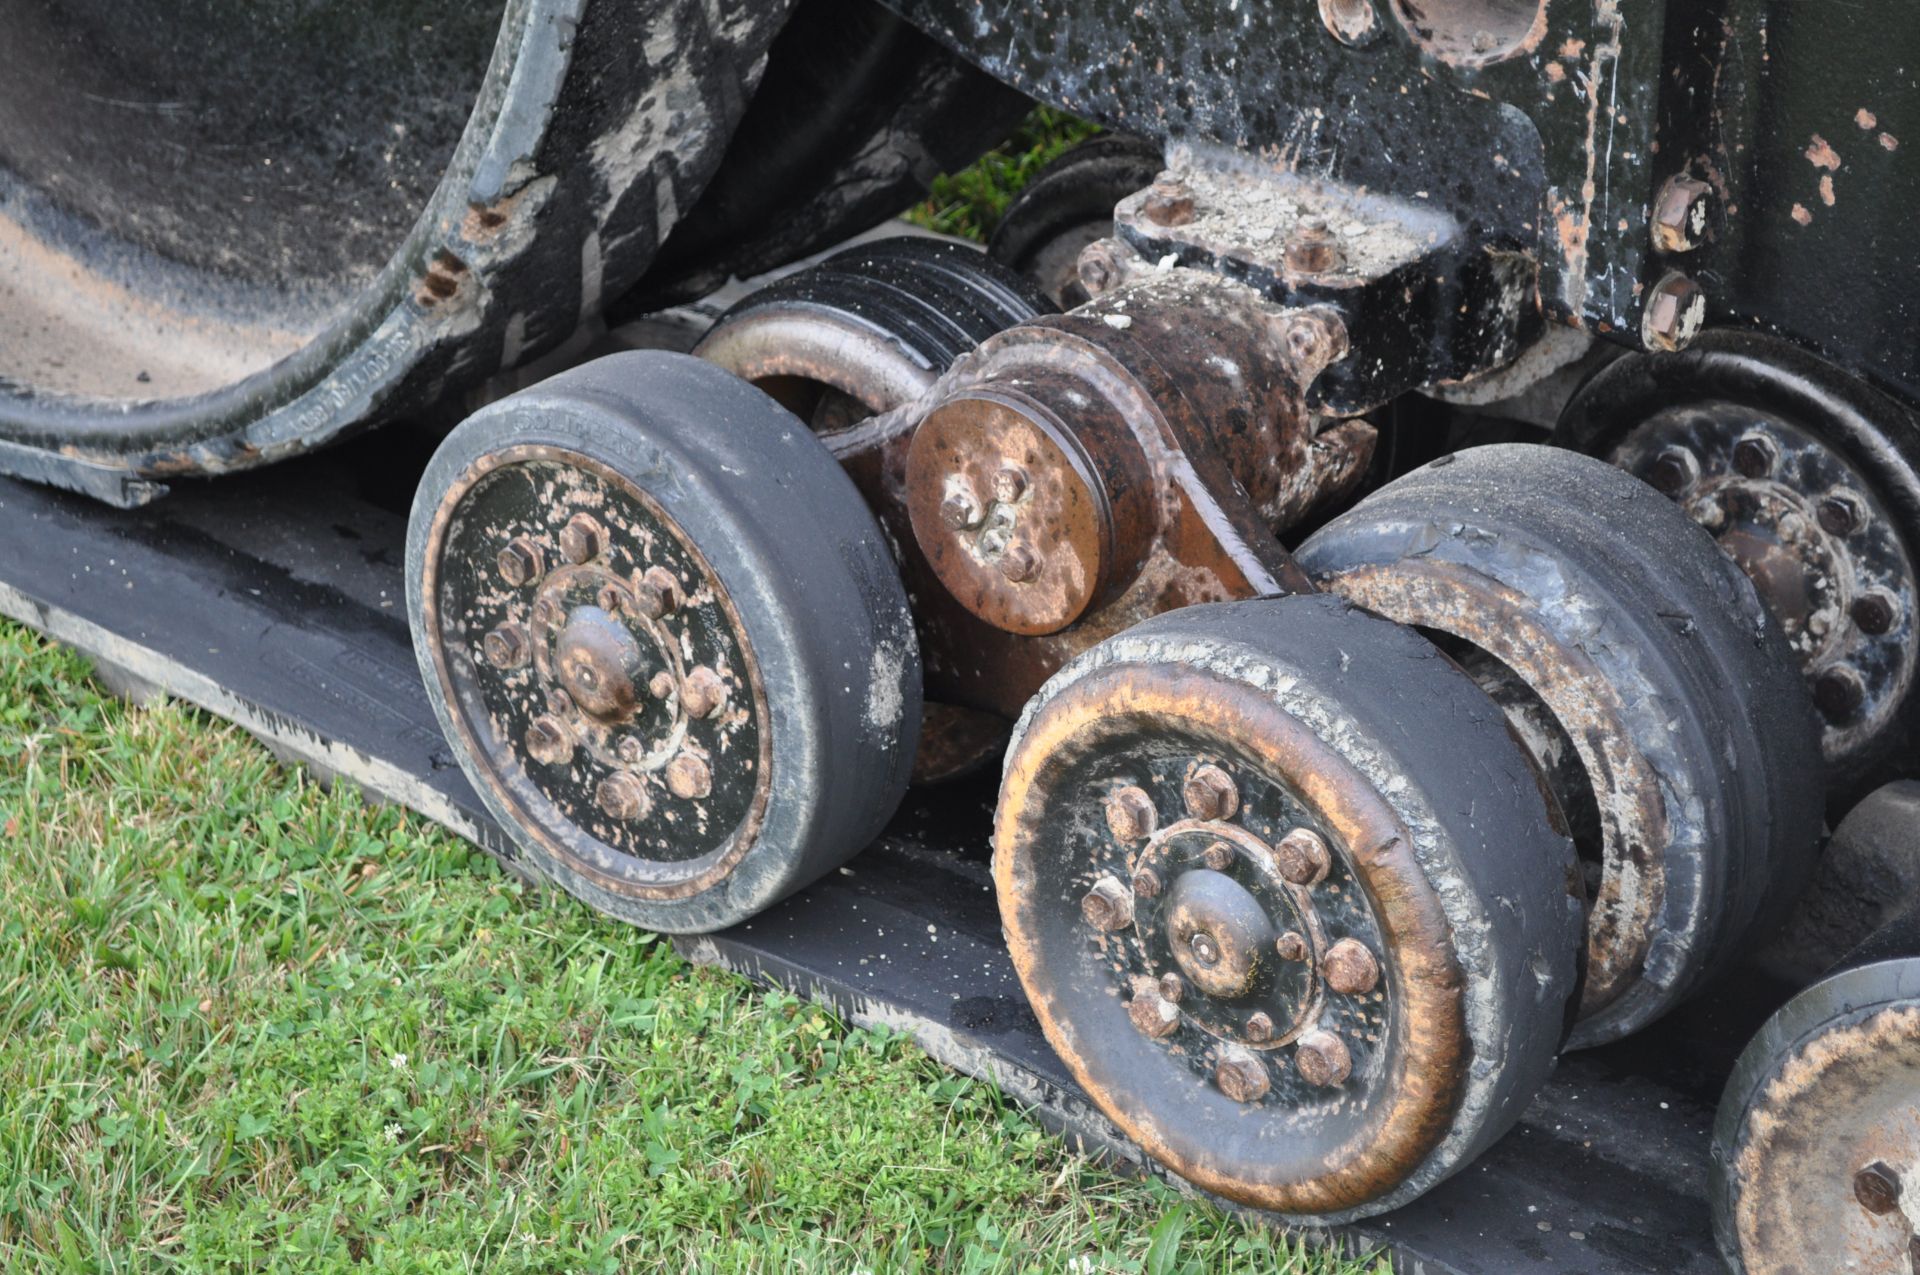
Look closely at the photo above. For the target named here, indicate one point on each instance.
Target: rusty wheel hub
(1809, 531)
(601, 670)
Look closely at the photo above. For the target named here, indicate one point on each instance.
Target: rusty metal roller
(228, 237)
(1283, 893)
(1654, 691)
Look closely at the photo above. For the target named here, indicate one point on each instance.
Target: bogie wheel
(1816, 1144)
(664, 638)
(1286, 898)
(1657, 693)
(1068, 205)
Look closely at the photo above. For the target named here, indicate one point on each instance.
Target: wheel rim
(597, 671)
(1354, 1087)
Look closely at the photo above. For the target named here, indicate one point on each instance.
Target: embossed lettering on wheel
(599, 669)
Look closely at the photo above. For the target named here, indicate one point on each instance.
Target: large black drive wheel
(1286, 897)
(664, 637)
(1653, 685)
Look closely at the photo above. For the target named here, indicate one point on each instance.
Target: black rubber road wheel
(1663, 695)
(1286, 898)
(664, 638)
(1067, 206)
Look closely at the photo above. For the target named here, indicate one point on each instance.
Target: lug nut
(688, 777)
(1019, 563)
(1108, 905)
(1292, 946)
(1676, 311)
(1322, 1059)
(1839, 692)
(623, 796)
(1874, 613)
(1680, 214)
(1146, 884)
(549, 742)
(1241, 1074)
(1009, 484)
(1673, 471)
(1877, 1187)
(520, 562)
(559, 702)
(1711, 512)
(1130, 814)
(1218, 856)
(505, 647)
(1350, 968)
(665, 584)
(1172, 987)
(1841, 513)
(581, 539)
(1100, 267)
(1755, 455)
(1153, 1014)
(1168, 203)
(961, 511)
(703, 693)
(1302, 857)
(1210, 793)
(1312, 249)
(1259, 1027)
(630, 750)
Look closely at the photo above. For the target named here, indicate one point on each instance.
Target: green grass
(971, 202)
(249, 1024)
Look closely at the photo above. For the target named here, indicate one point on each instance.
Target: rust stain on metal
(1822, 155)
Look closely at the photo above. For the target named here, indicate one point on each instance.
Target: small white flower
(391, 1133)
(398, 1062)
(1082, 1265)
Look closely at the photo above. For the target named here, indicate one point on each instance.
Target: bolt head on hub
(1322, 1059)
(703, 693)
(688, 777)
(505, 647)
(1009, 484)
(1260, 1027)
(549, 741)
(1108, 905)
(1351, 969)
(1756, 455)
(1168, 203)
(1152, 1013)
(1877, 1187)
(1302, 857)
(1210, 793)
(1172, 987)
(1838, 692)
(1874, 613)
(1841, 513)
(1218, 856)
(1241, 1074)
(582, 539)
(1019, 563)
(1291, 946)
(1130, 814)
(1676, 469)
(961, 509)
(1680, 214)
(623, 796)
(1146, 884)
(521, 562)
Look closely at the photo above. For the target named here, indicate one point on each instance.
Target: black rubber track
(805, 567)
(1712, 694)
(1439, 750)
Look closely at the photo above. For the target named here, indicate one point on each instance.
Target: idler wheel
(1614, 632)
(664, 637)
(1816, 1144)
(1284, 896)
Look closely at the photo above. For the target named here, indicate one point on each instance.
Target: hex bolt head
(961, 510)
(1168, 203)
(1681, 211)
(521, 562)
(1755, 456)
(630, 750)
(623, 796)
(559, 702)
(1877, 1187)
(1842, 513)
(1146, 884)
(505, 647)
(1152, 1013)
(581, 539)
(1100, 267)
(688, 777)
(1108, 905)
(1130, 814)
(1302, 857)
(1838, 693)
(1019, 563)
(1218, 856)
(1350, 968)
(1711, 513)
(1676, 311)
(1172, 987)
(1322, 1059)
(1291, 946)
(1259, 1027)
(703, 692)
(1673, 471)
(1874, 613)
(662, 685)
(667, 586)
(1311, 248)
(1009, 484)
(1210, 793)
(1241, 1074)
(549, 741)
